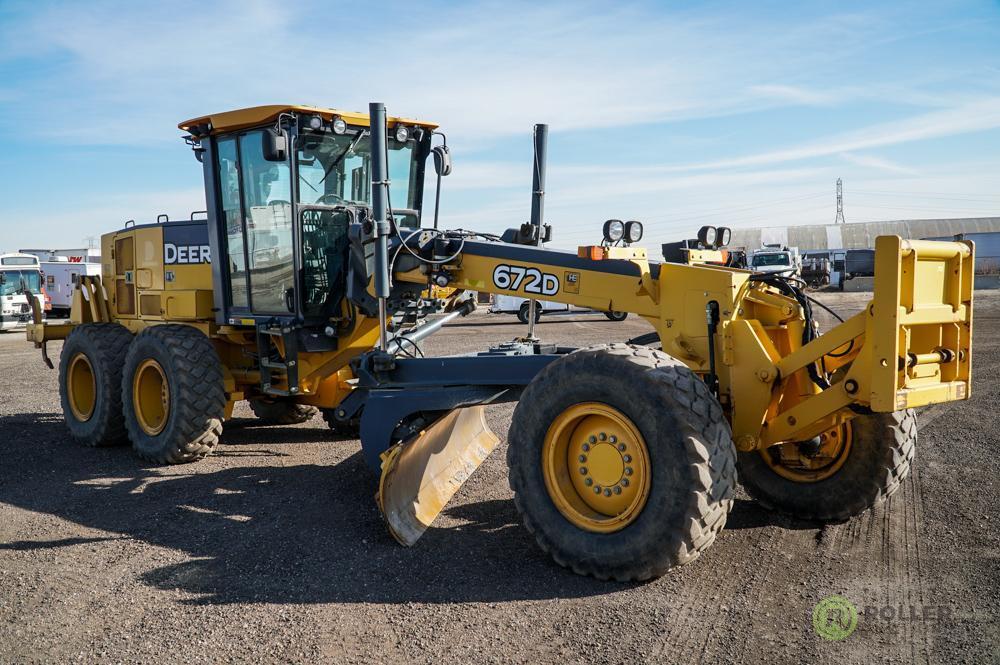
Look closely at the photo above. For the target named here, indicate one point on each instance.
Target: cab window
(267, 216)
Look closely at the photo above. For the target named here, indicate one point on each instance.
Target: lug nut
(624, 482)
(618, 490)
(583, 470)
(603, 437)
(628, 471)
(588, 482)
(607, 492)
(597, 489)
(621, 446)
(586, 447)
(592, 439)
(582, 458)
(627, 458)
(613, 439)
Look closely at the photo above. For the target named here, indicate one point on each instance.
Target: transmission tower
(840, 203)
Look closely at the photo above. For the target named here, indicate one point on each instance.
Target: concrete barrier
(861, 284)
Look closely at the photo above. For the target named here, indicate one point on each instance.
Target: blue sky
(676, 114)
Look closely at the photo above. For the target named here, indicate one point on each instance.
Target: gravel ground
(272, 550)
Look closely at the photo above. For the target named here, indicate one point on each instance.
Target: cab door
(256, 214)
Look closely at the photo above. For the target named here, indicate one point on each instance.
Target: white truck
(777, 259)
(502, 304)
(20, 275)
(61, 276)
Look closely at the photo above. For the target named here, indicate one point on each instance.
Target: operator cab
(284, 185)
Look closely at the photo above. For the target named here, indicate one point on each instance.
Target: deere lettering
(185, 254)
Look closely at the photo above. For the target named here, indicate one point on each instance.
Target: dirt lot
(273, 550)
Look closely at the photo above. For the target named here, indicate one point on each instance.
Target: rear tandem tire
(90, 379)
(281, 412)
(879, 459)
(683, 448)
(180, 363)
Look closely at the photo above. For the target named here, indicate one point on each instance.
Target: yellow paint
(151, 397)
(419, 477)
(258, 115)
(596, 467)
(81, 387)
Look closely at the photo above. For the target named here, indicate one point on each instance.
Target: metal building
(860, 235)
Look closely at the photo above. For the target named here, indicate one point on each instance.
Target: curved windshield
(18, 281)
(770, 260)
(335, 170)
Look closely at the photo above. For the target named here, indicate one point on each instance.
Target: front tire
(856, 467)
(660, 463)
(173, 394)
(616, 316)
(90, 379)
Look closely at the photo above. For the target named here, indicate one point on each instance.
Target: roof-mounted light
(707, 236)
(402, 133)
(614, 230)
(339, 126)
(633, 231)
(315, 123)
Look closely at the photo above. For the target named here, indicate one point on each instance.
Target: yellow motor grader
(308, 287)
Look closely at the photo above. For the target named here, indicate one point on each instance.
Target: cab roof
(227, 121)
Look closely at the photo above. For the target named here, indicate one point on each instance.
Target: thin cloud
(879, 163)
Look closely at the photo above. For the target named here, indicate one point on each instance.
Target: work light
(339, 126)
(315, 123)
(633, 231)
(707, 235)
(402, 133)
(614, 230)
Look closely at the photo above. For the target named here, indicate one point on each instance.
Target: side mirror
(442, 160)
(275, 145)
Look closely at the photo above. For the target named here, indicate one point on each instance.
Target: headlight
(614, 230)
(339, 126)
(402, 133)
(633, 231)
(707, 235)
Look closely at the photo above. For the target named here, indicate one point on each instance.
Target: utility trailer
(61, 278)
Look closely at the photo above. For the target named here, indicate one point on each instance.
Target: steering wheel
(329, 199)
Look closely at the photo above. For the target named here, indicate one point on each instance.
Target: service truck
(20, 279)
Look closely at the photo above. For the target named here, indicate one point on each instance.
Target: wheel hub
(813, 460)
(151, 397)
(596, 467)
(81, 387)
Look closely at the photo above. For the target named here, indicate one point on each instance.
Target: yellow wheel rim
(81, 387)
(151, 397)
(596, 467)
(789, 461)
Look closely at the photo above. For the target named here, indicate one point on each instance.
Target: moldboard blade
(420, 477)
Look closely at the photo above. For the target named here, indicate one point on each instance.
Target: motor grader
(307, 288)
